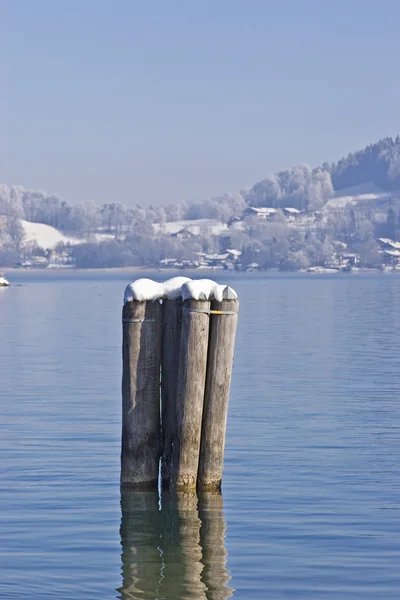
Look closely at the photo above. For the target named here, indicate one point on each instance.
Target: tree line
(269, 244)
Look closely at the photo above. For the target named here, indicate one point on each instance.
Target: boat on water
(3, 282)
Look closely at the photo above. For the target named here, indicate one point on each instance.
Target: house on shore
(178, 263)
(391, 258)
(390, 251)
(235, 254)
(167, 262)
(388, 244)
(291, 213)
(182, 234)
(261, 213)
(269, 213)
(349, 259)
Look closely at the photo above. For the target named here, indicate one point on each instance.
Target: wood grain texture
(141, 355)
(190, 398)
(215, 411)
(171, 340)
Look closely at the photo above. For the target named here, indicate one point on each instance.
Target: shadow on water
(173, 549)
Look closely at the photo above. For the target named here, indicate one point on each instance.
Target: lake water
(311, 491)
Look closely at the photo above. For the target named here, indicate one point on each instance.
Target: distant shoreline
(200, 272)
(75, 270)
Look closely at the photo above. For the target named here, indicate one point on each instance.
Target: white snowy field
(45, 236)
(355, 194)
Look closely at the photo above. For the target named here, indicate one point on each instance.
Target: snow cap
(206, 289)
(147, 289)
(178, 287)
(173, 287)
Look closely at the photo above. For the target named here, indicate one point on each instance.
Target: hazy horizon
(159, 102)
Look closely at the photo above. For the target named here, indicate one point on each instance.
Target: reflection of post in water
(175, 553)
(180, 543)
(140, 541)
(215, 575)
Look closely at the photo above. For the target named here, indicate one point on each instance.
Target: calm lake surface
(311, 491)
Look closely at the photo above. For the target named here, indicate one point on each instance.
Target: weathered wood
(172, 324)
(215, 574)
(190, 398)
(141, 352)
(219, 373)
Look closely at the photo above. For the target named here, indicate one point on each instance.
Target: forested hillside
(122, 233)
(379, 163)
(309, 189)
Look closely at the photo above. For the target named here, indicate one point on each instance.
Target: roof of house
(182, 232)
(216, 256)
(389, 242)
(263, 210)
(291, 210)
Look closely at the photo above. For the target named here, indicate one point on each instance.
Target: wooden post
(191, 386)
(212, 540)
(171, 340)
(141, 351)
(219, 373)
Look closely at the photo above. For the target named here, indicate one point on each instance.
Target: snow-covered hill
(44, 236)
(357, 193)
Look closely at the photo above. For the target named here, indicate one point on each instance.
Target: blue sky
(152, 101)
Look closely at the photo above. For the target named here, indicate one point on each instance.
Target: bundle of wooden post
(180, 334)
